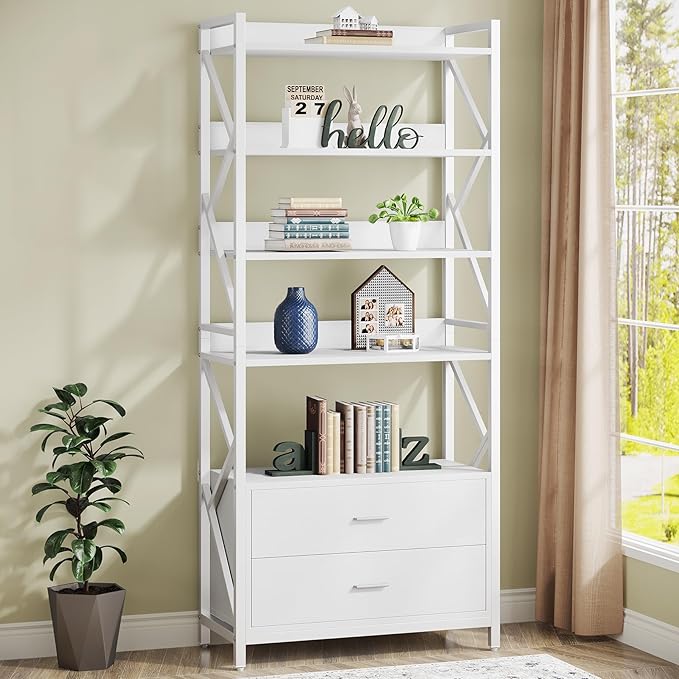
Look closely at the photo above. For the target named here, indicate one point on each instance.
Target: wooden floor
(603, 657)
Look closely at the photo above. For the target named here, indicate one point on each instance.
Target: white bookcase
(397, 552)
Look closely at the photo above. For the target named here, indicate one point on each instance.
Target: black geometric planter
(86, 626)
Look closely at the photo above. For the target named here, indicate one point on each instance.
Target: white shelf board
(267, 39)
(264, 139)
(256, 478)
(370, 241)
(341, 356)
(440, 253)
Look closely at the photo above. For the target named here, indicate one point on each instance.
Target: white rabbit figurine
(354, 115)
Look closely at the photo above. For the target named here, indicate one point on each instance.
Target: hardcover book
(310, 222)
(346, 411)
(330, 433)
(287, 235)
(370, 438)
(336, 443)
(359, 438)
(378, 437)
(357, 32)
(316, 421)
(395, 438)
(346, 40)
(309, 212)
(283, 245)
(386, 437)
(296, 202)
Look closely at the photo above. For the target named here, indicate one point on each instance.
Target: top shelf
(410, 43)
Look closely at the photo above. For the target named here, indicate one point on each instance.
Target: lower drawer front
(333, 587)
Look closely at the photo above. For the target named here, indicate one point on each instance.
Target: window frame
(636, 546)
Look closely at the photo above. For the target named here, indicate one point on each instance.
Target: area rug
(512, 667)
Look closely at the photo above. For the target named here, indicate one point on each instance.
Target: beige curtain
(579, 575)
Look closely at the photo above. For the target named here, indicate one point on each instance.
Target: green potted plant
(85, 615)
(404, 219)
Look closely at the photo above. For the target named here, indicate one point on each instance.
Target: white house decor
(347, 19)
(358, 571)
(368, 23)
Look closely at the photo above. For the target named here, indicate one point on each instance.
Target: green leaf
(115, 437)
(41, 512)
(123, 556)
(54, 541)
(124, 448)
(81, 475)
(111, 499)
(53, 477)
(98, 558)
(81, 571)
(83, 550)
(42, 487)
(110, 484)
(60, 550)
(64, 397)
(116, 406)
(44, 426)
(101, 505)
(51, 414)
(373, 218)
(56, 406)
(106, 467)
(75, 506)
(78, 389)
(54, 570)
(114, 524)
(89, 530)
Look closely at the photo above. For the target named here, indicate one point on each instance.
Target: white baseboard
(650, 635)
(517, 605)
(137, 633)
(175, 630)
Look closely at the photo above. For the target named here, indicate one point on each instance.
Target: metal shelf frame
(235, 37)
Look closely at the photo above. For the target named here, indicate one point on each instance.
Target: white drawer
(335, 587)
(356, 518)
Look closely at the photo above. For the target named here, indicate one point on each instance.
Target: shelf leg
(239, 648)
(494, 637)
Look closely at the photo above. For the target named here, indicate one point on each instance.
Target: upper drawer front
(332, 587)
(288, 522)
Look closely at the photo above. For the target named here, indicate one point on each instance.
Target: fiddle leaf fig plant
(397, 209)
(85, 487)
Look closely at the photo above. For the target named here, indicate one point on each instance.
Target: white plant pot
(405, 235)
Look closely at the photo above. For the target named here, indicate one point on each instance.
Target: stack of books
(355, 438)
(340, 36)
(308, 224)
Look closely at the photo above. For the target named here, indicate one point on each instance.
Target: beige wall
(98, 182)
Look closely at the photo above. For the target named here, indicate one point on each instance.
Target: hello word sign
(402, 138)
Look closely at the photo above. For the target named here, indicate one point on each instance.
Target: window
(646, 105)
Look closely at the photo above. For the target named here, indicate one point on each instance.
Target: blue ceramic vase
(295, 324)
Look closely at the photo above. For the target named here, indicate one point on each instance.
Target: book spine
(340, 40)
(311, 222)
(283, 235)
(347, 459)
(336, 447)
(395, 438)
(309, 228)
(386, 437)
(308, 244)
(370, 439)
(357, 33)
(359, 438)
(330, 433)
(300, 205)
(315, 212)
(378, 438)
(321, 201)
(317, 422)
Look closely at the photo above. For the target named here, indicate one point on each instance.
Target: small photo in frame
(394, 314)
(370, 304)
(369, 328)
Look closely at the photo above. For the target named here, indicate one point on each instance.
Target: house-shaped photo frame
(382, 304)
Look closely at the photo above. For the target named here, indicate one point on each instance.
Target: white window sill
(650, 551)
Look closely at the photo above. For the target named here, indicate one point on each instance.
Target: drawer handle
(375, 586)
(365, 519)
